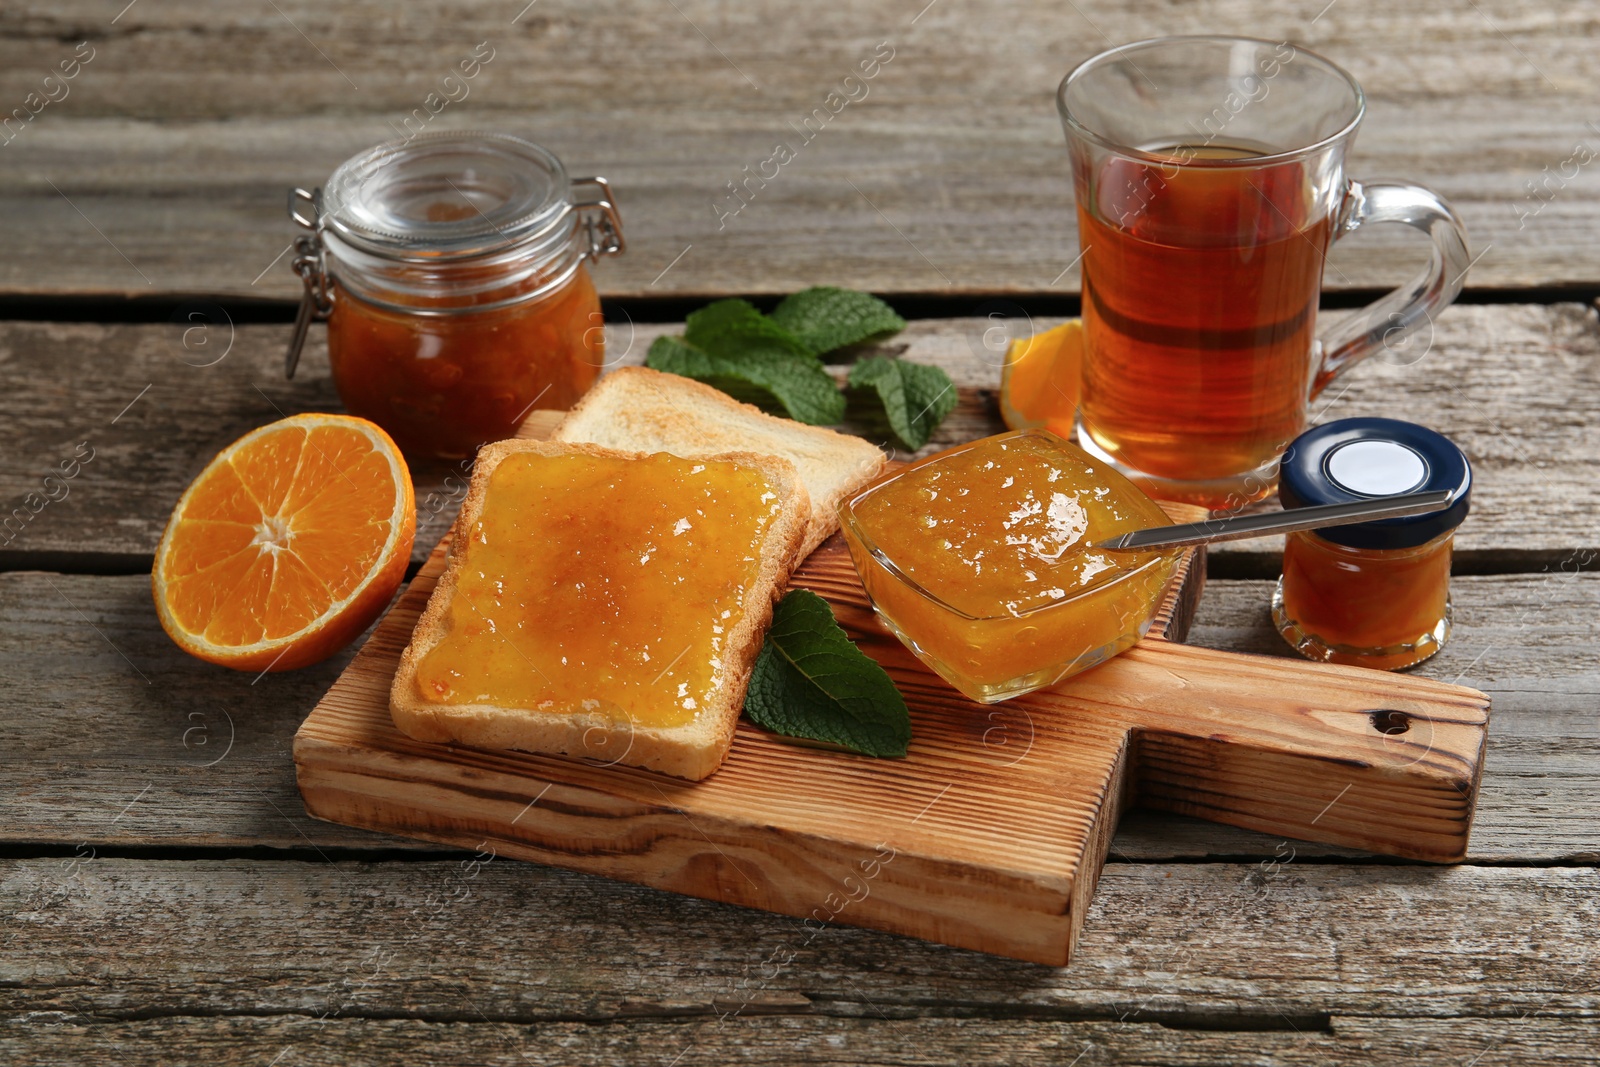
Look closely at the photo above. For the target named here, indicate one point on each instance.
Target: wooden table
(163, 896)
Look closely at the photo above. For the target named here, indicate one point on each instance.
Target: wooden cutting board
(990, 834)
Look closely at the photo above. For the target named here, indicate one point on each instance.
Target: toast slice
(619, 562)
(650, 411)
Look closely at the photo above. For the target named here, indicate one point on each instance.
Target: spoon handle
(1239, 527)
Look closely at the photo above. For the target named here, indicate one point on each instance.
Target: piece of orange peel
(1040, 382)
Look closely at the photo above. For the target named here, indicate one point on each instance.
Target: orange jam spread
(979, 559)
(602, 585)
(443, 384)
(1384, 608)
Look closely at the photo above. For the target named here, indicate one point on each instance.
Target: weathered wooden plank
(179, 136)
(1236, 945)
(761, 1039)
(1510, 640)
(113, 735)
(109, 728)
(1515, 385)
(146, 407)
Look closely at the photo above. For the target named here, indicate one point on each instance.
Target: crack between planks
(1323, 1023)
(1247, 565)
(796, 1005)
(322, 855)
(130, 307)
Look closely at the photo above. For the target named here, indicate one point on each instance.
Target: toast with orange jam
(603, 604)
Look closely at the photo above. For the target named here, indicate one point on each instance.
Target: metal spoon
(1239, 527)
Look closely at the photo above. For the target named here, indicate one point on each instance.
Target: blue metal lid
(1359, 459)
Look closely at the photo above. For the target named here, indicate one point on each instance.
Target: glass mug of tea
(1210, 182)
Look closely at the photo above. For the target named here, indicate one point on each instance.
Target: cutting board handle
(1389, 763)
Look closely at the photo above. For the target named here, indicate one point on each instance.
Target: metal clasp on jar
(599, 217)
(310, 263)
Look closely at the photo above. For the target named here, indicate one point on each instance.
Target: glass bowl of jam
(981, 560)
(452, 269)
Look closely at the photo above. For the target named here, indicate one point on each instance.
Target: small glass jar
(1374, 594)
(451, 269)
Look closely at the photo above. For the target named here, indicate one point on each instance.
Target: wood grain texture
(90, 735)
(756, 1038)
(177, 144)
(802, 822)
(1221, 946)
(1506, 627)
(179, 138)
(1035, 786)
(1518, 386)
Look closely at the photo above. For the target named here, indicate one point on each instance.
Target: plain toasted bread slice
(644, 410)
(563, 725)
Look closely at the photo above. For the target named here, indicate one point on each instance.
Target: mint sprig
(811, 681)
(825, 318)
(734, 328)
(800, 387)
(915, 397)
(774, 360)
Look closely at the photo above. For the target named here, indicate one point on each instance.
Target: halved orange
(288, 545)
(1040, 383)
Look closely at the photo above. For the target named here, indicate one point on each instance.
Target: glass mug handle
(1395, 315)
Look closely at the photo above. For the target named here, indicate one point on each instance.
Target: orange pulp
(607, 585)
(447, 383)
(287, 545)
(1371, 607)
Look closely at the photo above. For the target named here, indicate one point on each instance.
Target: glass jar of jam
(1374, 594)
(452, 271)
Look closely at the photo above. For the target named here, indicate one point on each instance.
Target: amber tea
(1199, 299)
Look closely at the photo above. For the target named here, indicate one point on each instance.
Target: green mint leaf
(734, 328)
(916, 398)
(800, 387)
(812, 681)
(825, 318)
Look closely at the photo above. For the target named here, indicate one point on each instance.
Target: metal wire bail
(310, 262)
(600, 218)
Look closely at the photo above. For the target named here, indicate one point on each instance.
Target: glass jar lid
(448, 195)
(1360, 459)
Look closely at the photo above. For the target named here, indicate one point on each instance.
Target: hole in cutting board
(1389, 721)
